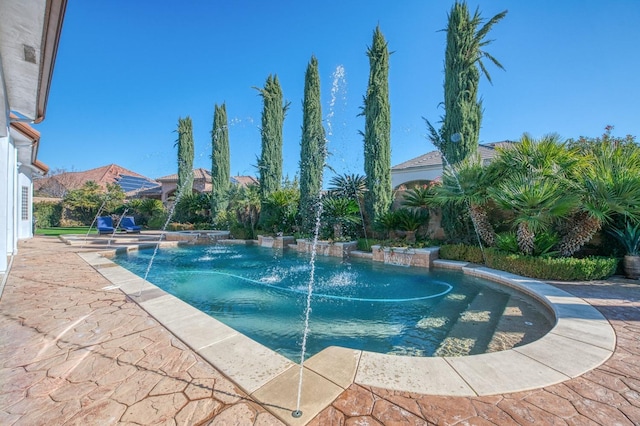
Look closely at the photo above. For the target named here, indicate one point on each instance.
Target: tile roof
(198, 174)
(434, 158)
(101, 175)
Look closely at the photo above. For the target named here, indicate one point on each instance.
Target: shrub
(462, 252)
(47, 214)
(546, 268)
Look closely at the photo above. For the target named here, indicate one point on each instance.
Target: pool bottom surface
(357, 304)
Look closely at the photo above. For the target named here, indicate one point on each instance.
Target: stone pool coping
(581, 340)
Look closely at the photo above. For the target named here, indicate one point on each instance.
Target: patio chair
(128, 224)
(105, 225)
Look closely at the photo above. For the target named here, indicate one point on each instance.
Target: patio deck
(76, 350)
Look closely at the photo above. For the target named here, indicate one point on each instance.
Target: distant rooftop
(434, 158)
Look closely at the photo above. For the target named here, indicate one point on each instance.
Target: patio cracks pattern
(73, 353)
(607, 395)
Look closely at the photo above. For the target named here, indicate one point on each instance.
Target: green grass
(54, 232)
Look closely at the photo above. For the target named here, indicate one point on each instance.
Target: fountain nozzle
(297, 414)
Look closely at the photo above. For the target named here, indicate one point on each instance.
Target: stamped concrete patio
(76, 350)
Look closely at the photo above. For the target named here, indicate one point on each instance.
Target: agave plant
(629, 237)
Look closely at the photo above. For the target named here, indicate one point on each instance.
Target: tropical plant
(312, 149)
(465, 185)
(220, 166)
(244, 202)
(536, 203)
(185, 154)
(411, 219)
(279, 211)
(608, 185)
(83, 204)
(377, 131)
(629, 237)
(340, 216)
(351, 186)
(420, 197)
(387, 223)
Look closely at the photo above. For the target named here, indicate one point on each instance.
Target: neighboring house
(201, 183)
(428, 167)
(130, 182)
(29, 37)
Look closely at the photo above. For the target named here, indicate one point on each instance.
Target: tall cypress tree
(185, 155)
(220, 167)
(273, 113)
(312, 149)
(458, 137)
(377, 130)
(463, 64)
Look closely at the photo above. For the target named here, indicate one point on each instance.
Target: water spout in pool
(172, 210)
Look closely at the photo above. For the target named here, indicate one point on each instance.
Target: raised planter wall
(326, 248)
(275, 242)
(422, 258)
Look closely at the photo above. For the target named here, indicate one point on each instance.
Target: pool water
(357, 303)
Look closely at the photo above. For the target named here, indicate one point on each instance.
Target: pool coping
(581, 340)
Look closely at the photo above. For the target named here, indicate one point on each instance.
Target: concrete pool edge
(581, 340)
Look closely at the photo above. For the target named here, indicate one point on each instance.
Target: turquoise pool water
(357, 303)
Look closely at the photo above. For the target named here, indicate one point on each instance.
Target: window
(25, 203)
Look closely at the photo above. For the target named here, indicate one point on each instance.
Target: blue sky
(127, 70)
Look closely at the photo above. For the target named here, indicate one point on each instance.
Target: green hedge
(47, 214)
(546, 268)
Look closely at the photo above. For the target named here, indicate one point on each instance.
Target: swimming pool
(357, 303)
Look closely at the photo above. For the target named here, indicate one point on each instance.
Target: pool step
(473, 331)
(512, 329)
(437, 323)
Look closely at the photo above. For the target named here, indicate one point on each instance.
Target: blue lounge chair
(128, 224)
(105, 225)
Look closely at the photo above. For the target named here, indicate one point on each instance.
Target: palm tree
(466, 185)
(608, 185)
(535, 181)
(340, 213)
(536, 202)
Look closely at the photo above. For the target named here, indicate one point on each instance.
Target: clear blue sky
(127, 70)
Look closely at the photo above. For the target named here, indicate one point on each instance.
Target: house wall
(4, 201)
(398, 177)
(24, 217)
(8, 179)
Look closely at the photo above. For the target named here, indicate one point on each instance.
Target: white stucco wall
(4, 200)
(398, 177)
(25, 226)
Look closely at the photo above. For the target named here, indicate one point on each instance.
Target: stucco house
(428, 167)
(29, 37)
(201, 183)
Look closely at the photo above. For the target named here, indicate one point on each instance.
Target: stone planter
(631, 266)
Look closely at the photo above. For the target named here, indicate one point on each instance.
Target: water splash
(338, 89)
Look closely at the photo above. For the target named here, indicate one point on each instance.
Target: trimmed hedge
(546, 268)
(47, 214)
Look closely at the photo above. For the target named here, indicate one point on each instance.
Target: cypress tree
(458, 137)
(463, 64)
(185, 155)
(377, 131)
(220, 167)
(312, 149)
(270, 161)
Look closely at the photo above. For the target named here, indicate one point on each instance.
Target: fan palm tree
(536, 202)
(608, 186)
(466, 185)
